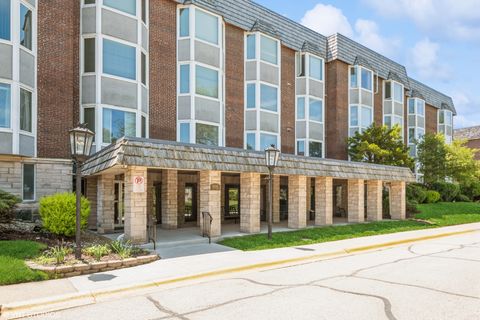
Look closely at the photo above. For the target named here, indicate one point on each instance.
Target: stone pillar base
(105, 207)
(374, 200)
(169, 199)
(398, 205)
(250, 202)
(323, 201)
(135, 206)
(210, 192)
(297, 201)
(356, 200)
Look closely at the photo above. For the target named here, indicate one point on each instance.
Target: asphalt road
(436, 279)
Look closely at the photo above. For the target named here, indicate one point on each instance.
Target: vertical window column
(360, 99)
(445, 124)
(393, 109)
(416, 128)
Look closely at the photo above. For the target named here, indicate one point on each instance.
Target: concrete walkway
(166, 270)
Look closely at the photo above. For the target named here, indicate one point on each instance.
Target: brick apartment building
(472, 136)
(215, 81)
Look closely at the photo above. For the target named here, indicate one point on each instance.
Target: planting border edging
(93, 267)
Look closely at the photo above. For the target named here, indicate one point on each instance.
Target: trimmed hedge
(432, 196)
(448, 191)
(416, 192)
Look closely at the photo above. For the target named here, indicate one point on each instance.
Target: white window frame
(443, 127)
(359, 127)
(392, 115)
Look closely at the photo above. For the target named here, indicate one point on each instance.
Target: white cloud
(467, 109)
(423, 58)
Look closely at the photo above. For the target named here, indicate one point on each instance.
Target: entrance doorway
(283, 202)
(232, 202)
(157, 202)
(190, 202)
(118, 204)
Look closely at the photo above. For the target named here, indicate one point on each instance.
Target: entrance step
(176, 243)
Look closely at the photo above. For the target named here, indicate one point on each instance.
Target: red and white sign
(138, 184)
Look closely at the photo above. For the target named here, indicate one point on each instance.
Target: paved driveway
(436, 279)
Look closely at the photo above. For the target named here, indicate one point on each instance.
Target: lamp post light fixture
(271, 160)
(81, 140)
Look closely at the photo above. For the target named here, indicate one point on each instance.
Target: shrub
(432, 196)
(416, 192)
(58, 213)
(448, 191)
(412, 208)
(59, 253)
(463, 198)
(471, 190)
(7, 203)
(97, 251)
(123, 249)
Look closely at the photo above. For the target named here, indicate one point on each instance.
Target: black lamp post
(81, 140)
(271, 160)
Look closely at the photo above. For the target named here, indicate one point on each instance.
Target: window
(119, 59)
(185, 78)
(127, 6)
(144, 127)
(5, 105)
(89, 2)
(353, 116)
(316, 68)
(268, 98)
(266, 140)
(89, 55)
(251, 96)
(316, 110)
(366, 79)
(250, 141)
(89, 118)
(117, 124)
(144, 11)
(315, 149)
(5, 19)
(366, 117)
(300, 65)
(411, 106)
(411, 135)
(269, 50)
(251, 46)
(25, 110)
(184, 22)
(398, 92)
(300, 147)
(207, 134)
(300, 108)
(354, 77)
(421, 107)
(144, 69)
(185, 132)
(206, 27)
(28, 182)
(206, 82)
(25, 27)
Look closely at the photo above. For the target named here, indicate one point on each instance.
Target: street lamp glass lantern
(81, 140)
(271, 156)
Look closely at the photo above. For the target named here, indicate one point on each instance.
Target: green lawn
(436, 215)
(12, 265)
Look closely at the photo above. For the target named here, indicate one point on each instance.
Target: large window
(127, 6)
(367, 79)
(266, 140)
(269, 50)
(89, 55)
(361, 112)
(251, 96)
(360, 118)
(206, 82)
(184, 78)
(117, 124)
(185, 132)
(206, 27)
(5, 19)
(268, 98)
(207, 134)
(445, 124)
(5, 105)
(251, 46)
(25, 110)
(25, 27)
(184, 22)
(250, 141)
(316, 68)
(316, 110)
(89, 118)
(315, 149)
(301, 108)
(119, 59)
(28, 182)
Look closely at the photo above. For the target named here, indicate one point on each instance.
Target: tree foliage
(381, 145)
(461, 164)
(432, 155)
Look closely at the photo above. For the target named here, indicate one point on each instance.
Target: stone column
(308, 204)
(210, 194)
(136, 205)
(398, 209)
(250, 202)
(91, 194)
(169, 199)
(276, 199)
(323, 201)
(356, 200)
(297, 198)
(105, 207)
(374, 200)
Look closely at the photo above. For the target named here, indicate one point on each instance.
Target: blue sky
(437, 40)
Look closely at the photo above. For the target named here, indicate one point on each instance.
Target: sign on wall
(138, 184)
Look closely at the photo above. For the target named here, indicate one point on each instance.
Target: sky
(438, 41)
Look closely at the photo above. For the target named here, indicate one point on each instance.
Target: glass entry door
(118, 204)
(232, 201)
(190, 202)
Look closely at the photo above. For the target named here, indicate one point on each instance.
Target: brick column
(135, 206)
(250, 202)
(105, 208)
(398, 210)
(356, 200)
(210, 200)
(169, 199)
(297, 198)
(374, 200)
(276, 199)
(323, 201)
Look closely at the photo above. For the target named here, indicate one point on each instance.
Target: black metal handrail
(207, 225)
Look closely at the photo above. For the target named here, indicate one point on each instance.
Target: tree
(381, 145)
(461, 164)
(432, 158)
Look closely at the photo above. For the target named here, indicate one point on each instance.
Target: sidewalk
(179, 269)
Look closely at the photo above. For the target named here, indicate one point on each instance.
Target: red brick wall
(58, 75)
(431, 119)
(337, 110)
(234, 83)
(378, 102)
(474, 144)
(163, 70)
(288, 101)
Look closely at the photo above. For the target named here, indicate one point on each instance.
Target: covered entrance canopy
(133, 157)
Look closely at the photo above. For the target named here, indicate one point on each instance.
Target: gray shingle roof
(470, 133)
(432, 96)
(166, 154)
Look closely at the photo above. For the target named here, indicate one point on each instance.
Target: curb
(23, 307)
